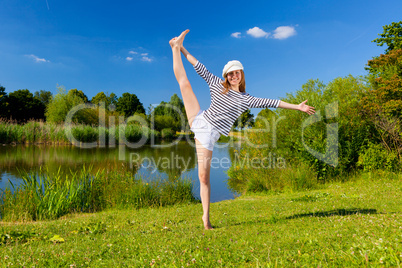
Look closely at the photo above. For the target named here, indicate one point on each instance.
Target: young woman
(228, 101)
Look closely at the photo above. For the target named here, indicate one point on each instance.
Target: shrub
(375, 156)
(167, 133)
(246, 179)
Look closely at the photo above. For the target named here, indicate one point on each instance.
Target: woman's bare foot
(178, 41)
(207, 223)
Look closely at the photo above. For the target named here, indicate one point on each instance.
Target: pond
(149, 162)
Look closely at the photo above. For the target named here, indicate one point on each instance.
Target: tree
(128, 104)
(167, 112)
(160, 109)
(382, 104)
(63, 102)
(392, 36)
(263, 118)
(78, 93)
(44, 96)
(107, 99)
(165, 121)
(385, 76)
(3, 102)
(178, 111)
(246, 119)
(22, 106)
(2, 91)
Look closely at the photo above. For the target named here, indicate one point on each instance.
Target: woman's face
(234, 78)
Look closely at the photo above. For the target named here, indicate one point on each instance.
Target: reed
(40, 132)
(42, 196)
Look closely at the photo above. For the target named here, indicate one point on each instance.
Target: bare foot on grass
(207, 223)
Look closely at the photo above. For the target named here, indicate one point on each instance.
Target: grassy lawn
(353, 224)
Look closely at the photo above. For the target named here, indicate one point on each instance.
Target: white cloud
(145, 58)
(37, 59)
(257, 32)
(283, 32)
(236, 35)
(139, 56)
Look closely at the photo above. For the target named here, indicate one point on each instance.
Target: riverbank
(37, 132)
(352, 224)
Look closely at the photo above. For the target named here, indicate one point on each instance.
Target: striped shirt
(226, 108)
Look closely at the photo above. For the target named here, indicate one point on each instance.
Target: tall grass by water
(31, 132)
(43, 196)
(41, 132)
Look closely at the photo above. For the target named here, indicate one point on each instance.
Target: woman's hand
(305, 108)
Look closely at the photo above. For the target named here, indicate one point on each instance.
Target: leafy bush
(62, 103)
(166, 121)
(167, 134)
(375, 156)
(256, 172)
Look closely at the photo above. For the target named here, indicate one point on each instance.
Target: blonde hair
(242, 85)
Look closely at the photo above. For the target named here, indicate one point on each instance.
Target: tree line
(21, 106)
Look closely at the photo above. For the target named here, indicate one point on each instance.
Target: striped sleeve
(205, 74)
(254, 102)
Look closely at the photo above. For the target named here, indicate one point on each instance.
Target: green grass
(352, 224)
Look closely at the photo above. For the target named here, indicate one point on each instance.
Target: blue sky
(122, 46)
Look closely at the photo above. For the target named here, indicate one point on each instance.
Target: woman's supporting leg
(204, 157)
(189, 99)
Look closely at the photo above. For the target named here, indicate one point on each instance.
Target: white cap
(231, 66)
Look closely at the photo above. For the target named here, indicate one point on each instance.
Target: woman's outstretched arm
(188, 56)
(301, 107)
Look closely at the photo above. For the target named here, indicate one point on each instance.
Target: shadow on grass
(275, 219)
(336, 212)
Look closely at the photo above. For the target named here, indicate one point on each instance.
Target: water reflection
(151, 162)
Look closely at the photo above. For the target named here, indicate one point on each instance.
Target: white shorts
(204, 132)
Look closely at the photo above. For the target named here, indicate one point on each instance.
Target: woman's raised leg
(189, 99)
(192, 107)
